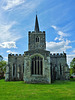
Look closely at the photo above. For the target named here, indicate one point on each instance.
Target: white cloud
(53, 26)
(59, 38)
(13, 52)
(62, 45)
(8, 45)
(7, 33)
(69, 26)
(60, 33)
(69, 58)
(12, 3)
(73, 51)
(27, 7)
(58, 46)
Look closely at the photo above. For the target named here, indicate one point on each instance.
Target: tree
(72, 66)
(2, 68)
(1, 58)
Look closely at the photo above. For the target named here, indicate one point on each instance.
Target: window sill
(36, 75)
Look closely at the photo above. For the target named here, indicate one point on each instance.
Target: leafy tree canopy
(3, 65)
(72, 66)
(1, 58)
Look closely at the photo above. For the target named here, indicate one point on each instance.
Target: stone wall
(59, 66)
(46, 76)
(18, 62)
(32, 40)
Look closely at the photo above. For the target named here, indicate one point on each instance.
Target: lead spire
(36, 24)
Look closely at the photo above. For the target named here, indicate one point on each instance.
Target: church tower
(37, 59)
(37, 65)
(36, 38)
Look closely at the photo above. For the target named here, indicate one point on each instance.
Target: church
(37, 65)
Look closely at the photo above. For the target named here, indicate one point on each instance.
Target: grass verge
(18, 90)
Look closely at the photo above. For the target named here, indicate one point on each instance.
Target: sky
(56, 18)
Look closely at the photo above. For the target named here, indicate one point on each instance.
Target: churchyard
(18, 90)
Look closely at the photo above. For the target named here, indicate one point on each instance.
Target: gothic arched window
(37, 66)
(37, 39)
(13, 69)
(23, 67)
(60, 70)
(19, 71)
(19, 68)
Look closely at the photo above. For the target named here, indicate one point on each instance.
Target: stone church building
(37, 65)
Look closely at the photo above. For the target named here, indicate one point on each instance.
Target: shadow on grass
(57, 82)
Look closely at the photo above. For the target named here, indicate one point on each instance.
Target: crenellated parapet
(37, 65)
(15, 55)
(40, 32)
(58, 54)
(36, 40)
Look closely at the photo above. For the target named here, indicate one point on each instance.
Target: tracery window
(37, 66)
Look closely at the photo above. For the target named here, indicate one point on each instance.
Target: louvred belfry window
(37, 39)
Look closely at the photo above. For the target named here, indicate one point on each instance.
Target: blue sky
(56, 17)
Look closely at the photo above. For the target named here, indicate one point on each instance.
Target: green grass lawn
(60, 90)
